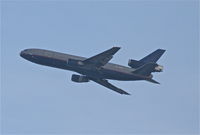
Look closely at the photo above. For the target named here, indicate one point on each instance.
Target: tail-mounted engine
(158, 68)
(137, 64)
(79, 79)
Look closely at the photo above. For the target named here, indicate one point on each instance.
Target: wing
(102, 58)
(105, 83)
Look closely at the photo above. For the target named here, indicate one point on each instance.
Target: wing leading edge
(105, 83)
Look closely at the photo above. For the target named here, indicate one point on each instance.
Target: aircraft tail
(146, 69)
(153, 57)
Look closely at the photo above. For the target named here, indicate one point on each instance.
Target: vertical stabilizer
(153, 57)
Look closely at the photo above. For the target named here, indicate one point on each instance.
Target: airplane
(98, 68)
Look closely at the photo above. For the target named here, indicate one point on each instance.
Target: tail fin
(146, 69)
(153, 57)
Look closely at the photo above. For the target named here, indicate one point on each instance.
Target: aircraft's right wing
(105, 83)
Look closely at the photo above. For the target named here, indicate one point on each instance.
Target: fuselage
(61, 60)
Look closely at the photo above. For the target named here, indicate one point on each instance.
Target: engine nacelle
(79, 79)
(134, 63)
(158, 68)
(73, 62)
(137, 64)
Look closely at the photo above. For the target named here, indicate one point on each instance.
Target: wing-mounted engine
(79, 78)
(137, 64)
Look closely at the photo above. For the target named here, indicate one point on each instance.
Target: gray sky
(43, 100)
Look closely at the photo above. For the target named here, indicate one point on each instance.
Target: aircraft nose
(22, 53)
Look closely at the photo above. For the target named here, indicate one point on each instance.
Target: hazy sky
(42, 100)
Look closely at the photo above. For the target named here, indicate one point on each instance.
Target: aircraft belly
(118, 75)
(106, 74)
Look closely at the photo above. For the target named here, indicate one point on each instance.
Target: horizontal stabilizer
(146, 69)
(153, 81)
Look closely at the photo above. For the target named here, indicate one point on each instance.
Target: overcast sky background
(42, 100)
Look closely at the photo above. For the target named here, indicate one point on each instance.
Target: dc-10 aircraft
(97, 68)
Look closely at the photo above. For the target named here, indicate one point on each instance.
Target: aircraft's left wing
(105, 83)
(102, 58)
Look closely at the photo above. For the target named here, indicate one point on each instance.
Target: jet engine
(79, 79)
(137, 64)
(158, 68)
